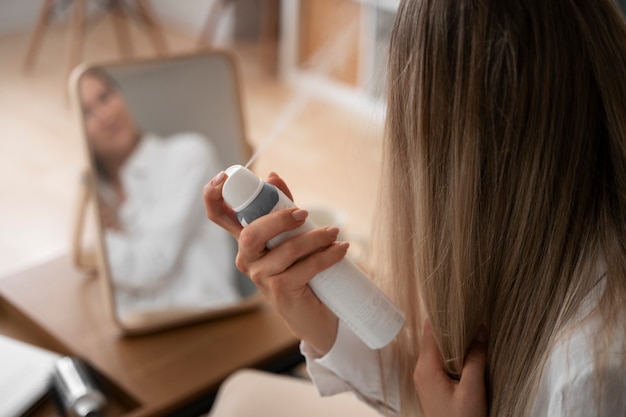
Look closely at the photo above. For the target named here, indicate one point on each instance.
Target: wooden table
(58, 308)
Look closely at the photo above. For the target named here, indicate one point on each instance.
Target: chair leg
(269, 36)
(122, 32)
(35, 41)
(154, 29)
(77, 34)
(207, 34)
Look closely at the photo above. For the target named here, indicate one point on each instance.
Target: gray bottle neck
(263, 204)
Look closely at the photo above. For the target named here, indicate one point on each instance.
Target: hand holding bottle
(340, 285)
(282, 273)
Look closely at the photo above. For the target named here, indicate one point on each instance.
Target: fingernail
(300, 214)
(272, 174)
(333, 231)
(482, 334)
(218, 179)
(344, 245)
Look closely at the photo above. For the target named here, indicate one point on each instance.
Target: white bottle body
(345, 289)
(349, 293)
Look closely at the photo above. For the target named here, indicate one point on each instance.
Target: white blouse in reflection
(167, 254)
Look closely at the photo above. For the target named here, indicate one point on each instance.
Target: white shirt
(567, 386)
(168, 254)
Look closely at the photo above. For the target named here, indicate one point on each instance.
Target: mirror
(156, 131)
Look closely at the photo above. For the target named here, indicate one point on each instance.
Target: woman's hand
(282, 274)
(442, 396)
(108, 217)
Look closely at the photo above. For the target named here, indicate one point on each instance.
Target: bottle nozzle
(241, 187)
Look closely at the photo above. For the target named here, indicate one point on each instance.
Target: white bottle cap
(241, 187)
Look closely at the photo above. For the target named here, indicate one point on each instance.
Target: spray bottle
(343, 287)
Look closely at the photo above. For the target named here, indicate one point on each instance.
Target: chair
(121, 12)
(268, 33)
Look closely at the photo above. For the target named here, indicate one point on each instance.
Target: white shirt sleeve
(352, 366)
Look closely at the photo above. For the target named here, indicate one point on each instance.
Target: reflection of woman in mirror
(161, 252)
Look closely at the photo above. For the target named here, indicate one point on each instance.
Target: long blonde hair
(504, 180)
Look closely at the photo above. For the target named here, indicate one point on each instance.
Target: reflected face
(111, 131)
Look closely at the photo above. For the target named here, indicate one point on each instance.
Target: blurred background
(328, 154)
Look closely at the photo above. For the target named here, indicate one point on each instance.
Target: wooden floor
(329, 155)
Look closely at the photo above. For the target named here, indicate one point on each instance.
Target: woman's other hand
(442, 396)
(108, 217)
(282, 274)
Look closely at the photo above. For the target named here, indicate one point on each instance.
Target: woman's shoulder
(585, 373)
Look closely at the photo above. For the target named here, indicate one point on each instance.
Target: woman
(161, 254)
(504, 200)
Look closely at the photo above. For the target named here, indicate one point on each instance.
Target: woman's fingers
(429, 369)
(312, 265)
(442, 396)
(276, 181)
(287, 289)
(216, 208)
(472, 383)
(293, 250)
(253, 239)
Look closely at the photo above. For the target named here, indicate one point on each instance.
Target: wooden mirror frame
(96, 262)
